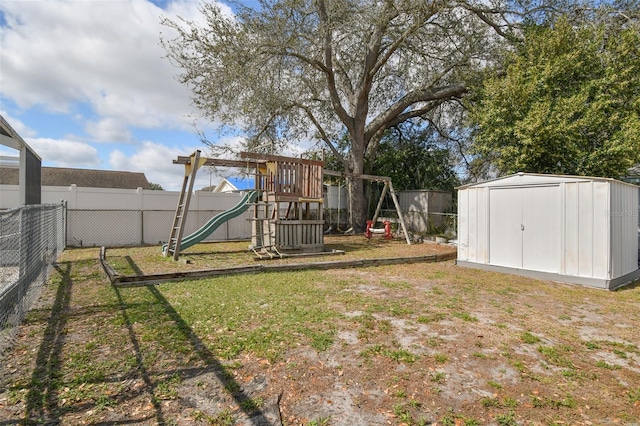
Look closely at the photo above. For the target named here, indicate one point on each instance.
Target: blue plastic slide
(217, 220)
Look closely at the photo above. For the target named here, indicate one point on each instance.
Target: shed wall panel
(482, 234)
(601, 230)
(623, 216)
(541, 215)
(464, 217)
(473, 225)
(571, 229)
(505, 222)
(585, 229)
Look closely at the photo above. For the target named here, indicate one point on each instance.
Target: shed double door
(524, 228)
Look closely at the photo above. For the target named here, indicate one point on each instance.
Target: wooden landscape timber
(118, 280)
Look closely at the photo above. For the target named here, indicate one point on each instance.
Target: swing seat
(376, 230)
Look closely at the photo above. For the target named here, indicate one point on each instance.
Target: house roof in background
(225, 186)
(206, 189)
(242, 183)
(59, 176)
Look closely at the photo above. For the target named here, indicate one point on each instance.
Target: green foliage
(321, 421)
(556, 356)
(548, 402)
(398, 355)
(528, 337)
(432, 317)
(252, 404)
(452, 419)
(606, 365)
(439, 377)
(494, 384)
(402, 355)
(440, 358)
(320, 341)
(465, 316)
(592, 345)
(488, 402)
(508, 419)
(568, 102)
(414, 158)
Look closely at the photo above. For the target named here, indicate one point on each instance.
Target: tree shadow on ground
(257, 417)
(42, 401)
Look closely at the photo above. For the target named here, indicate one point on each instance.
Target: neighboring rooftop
(59, 176)
(232, 184)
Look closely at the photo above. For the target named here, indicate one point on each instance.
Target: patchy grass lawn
(405, 344)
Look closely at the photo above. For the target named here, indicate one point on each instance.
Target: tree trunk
(357, 201)
(357, 204)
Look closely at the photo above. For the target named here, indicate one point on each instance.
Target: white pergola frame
(10, 138)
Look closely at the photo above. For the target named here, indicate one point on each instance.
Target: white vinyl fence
(126, 217)
(123, 217)
(427, 211)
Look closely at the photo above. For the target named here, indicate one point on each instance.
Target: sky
(86, 85)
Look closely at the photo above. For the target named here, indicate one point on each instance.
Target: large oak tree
(298, 70)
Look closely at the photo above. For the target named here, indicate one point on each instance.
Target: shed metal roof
(523, 179)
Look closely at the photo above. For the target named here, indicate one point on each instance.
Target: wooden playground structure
(288, 210)
(289, 214)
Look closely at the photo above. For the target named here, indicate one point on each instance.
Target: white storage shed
(573, 229)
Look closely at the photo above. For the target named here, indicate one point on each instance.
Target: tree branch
(372, 146)
(323, 134)
(396, 43)
(482, 14)
(412, 98)
(328, 59)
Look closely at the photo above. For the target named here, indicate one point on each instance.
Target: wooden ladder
(177, 229)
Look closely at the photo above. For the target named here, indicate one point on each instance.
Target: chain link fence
(425, 223)
(121, 228)
(31, 237)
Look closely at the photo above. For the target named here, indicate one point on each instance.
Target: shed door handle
(522, 227)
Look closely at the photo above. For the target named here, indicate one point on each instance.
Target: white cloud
(65, 153)
(22, 129)
(100, 66)
(108, 130)
(156, 162)
(105, 54)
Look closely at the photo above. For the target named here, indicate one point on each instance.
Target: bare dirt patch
(403, 344)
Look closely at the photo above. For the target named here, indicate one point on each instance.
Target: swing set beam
(388, 186)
